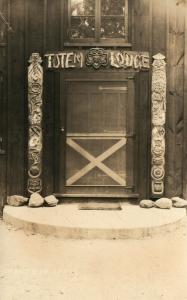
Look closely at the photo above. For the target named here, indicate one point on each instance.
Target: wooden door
(98, 133)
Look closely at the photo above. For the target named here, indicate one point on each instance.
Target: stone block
(51, 200)
(36, 200)
(17, 200)
(163, 203)
(179, 202)
(147, 204)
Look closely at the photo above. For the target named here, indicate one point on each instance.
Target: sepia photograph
(93, 149)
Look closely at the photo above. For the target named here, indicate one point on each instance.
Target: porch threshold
(106, 196)
(67, 221)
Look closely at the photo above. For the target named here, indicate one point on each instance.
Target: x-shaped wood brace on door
(96, 162)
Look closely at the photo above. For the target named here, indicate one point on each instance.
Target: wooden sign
(98, 58)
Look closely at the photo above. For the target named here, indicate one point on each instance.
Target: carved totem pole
(35, 90)
(158, 124)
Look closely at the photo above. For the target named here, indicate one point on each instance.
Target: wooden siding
(157, 26)
(185, 112)
(17, 101)
(175, 98)
(3, 102)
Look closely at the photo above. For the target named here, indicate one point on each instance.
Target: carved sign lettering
(129, 60)
(97, 58)
(65, 60)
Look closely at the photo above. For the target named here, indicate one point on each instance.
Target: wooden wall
(3, 102)
(158, 26)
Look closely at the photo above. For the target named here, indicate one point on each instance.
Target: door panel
(101, 169)
(96, 108)
(99, 138)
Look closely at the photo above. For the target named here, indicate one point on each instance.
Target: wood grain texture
(159, 24)
(175, 99)
(185, 112)
(16, 102)
(3, 103)
(3, 132)
(141, 24)
(143, 125)
(35, 24)
(51, 127)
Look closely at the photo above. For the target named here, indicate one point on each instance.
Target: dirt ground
(36, 267)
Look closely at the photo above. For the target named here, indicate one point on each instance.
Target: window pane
(113, 27)
(113, 7)
(82, 7)
(82, 27)
(112, 19)
(82, 22)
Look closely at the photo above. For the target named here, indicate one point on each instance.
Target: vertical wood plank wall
(175, 97)
(185, 111)
(142, 35)
(3, 102)
(17, 101)
(158, 26)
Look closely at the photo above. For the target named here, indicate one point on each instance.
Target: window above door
(92, 22)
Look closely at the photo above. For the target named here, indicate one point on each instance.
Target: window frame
(97, 40)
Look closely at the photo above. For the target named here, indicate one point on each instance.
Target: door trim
(119, 196)
(103, 75)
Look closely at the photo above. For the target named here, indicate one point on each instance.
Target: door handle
(2, 151)
(62, 129)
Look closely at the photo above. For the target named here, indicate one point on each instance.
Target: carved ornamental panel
(35, 89)
(158, 124)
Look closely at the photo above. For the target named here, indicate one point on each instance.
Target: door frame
(142, 136)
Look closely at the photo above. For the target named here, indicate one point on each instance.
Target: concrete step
(69, 222)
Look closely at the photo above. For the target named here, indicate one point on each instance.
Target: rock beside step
(179, 202)
(51, 200)
(147, 204)
(36, 200)
(17, 200)
(163, 203)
